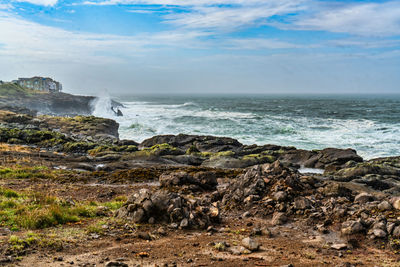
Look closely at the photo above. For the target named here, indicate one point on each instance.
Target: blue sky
(204, 46)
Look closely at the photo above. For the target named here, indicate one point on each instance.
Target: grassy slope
(11, 89)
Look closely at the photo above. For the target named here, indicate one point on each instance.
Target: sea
(369, 124)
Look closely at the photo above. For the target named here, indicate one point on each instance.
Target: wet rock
(279, 218)
(251, 244)
(201, 143)
(364, 198)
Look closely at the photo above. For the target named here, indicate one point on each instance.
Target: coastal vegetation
(69, 182)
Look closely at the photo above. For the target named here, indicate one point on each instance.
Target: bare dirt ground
(124, 242)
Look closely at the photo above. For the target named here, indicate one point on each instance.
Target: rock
(302, 203)
(138, 216)
(184, 223)
(251, 186)
(351, 227)
(246, 214)
(201, 180)
(396, 203)
(143, 235)
(335, 190)
(279, 218)
(201, 143)
(116, 264)
(396, 232)
(385, 205)
(166, 207)
(339, 246)
(280, 196)
(363, 198)
(379, 233)
(251, 244)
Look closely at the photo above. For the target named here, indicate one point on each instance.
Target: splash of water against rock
(102, 106)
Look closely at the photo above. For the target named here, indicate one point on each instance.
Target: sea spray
(102, 106)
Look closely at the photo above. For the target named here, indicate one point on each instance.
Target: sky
(204, 46)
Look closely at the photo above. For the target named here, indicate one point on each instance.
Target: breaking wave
(300, 122)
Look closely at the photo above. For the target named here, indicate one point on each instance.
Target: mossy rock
(162, 150)
(107, 149)
(78, 147)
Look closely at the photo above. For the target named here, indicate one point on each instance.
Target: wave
(262, 124)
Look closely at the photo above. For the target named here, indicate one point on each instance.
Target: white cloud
(365, 43)
(357, 18)
(364, 19)
(260, 44)
(34, 42)
(231, 18)
(40, 2)
(5, 6)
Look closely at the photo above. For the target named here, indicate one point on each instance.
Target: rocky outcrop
(58, 104)
(379, 174)
(195, 142)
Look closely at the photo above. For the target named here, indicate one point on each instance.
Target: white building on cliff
(40, 84)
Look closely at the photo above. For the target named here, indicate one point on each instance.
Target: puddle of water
(311, 170)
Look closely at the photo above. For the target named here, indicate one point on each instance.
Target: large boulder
(200, 143)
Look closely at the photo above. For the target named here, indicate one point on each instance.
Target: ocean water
(370, 124)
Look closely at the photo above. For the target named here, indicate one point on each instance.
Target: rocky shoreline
(217, 201)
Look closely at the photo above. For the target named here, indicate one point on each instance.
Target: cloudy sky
(204, 46)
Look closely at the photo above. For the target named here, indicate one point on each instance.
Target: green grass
(38, 211)
(19, 172)
(11, 89)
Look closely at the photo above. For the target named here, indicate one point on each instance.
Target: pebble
(251, 244)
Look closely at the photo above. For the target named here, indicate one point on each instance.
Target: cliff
(61, 104)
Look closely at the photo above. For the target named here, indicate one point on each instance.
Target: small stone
(351, 227)
(143, 235)
(379, 233)
(184, 223)
(279, 218)
(280, 196)
(138, 215)
(396, 232)
(385, 205)
(173, 226)
(116, 264)
(302, 203)
(246, 214)
(363, 198)
(161, 231)
(396, 203)
(250, 244)
(339, 246)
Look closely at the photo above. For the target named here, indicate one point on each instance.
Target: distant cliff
(62, 104)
